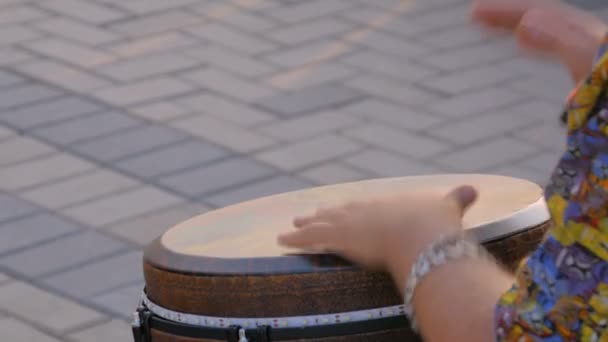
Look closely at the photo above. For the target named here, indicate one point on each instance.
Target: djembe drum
(222, 277)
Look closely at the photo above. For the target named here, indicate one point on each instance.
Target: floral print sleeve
(561, 291)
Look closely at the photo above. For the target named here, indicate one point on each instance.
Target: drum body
(221, 277)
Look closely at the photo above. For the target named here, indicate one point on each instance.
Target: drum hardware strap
(141, 324)
(152, 316)
(262, 333)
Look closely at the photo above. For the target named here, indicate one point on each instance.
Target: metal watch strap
(445, 249)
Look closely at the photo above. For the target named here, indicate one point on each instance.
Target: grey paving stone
(47, 310)
(13, 35)
(311, 76)
(550, 71)
(12, 55)
(150, 6)
(538, 86)
(249, 21)
(392, 45)
(4, 278)
(226, 109)
(588, 4)
(171, 159)
(62, 75)
(130, 143)
(121, 302)
(472, 79)
(389, 66)
(333, 173)
(61, 254)
(415, 19)
(28, 174)
(142, 91)
(12, 207)
(115, 330)
(79, 189)
(550, 134)
(398, 92)
(20, 14)
(86, 11)
(309, 125)
(83, 282)
(86, 128)
(491, 154)
(159, 111)
(315, 52)
(477, 102)
(21, 149)
(546, 161)
(321, 28)
(121, 206)
(49, 112)
(470, 56)
(402, 142)
(309, 152)
(310, 100)
(157, 23)
(308, 10)
(8, 79)
(6, 133)
(268, 187)
(229, 85)
(70, 52)
(240, 41)
(131, 69)
(221, 175)
(390, 114)
(385, 164)
(31, 230)
(482, 127)
(454, 37)
(17, 331)
(226, 59)
(24, 94)
(541, 109)
(156, 43)
(72, 29)
(144, 229)
(224, 133)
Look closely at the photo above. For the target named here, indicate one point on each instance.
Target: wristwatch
(447, 248)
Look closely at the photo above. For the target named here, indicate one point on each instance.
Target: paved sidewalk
(119, 118)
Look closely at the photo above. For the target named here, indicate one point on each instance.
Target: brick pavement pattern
(119, 118)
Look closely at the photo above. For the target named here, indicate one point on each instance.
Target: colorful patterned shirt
(561, 290)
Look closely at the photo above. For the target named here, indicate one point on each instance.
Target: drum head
(249, 230)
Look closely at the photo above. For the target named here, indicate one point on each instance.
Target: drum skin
(291, 285)
(331, 286)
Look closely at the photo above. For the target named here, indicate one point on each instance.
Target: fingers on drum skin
(315, 235)
(301, 221)
(462, 197)
(334, 215)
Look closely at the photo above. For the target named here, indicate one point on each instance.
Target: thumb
(462, 198)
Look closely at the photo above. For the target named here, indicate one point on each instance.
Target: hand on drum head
(384, 232)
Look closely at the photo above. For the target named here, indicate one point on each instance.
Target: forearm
(456, 302)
